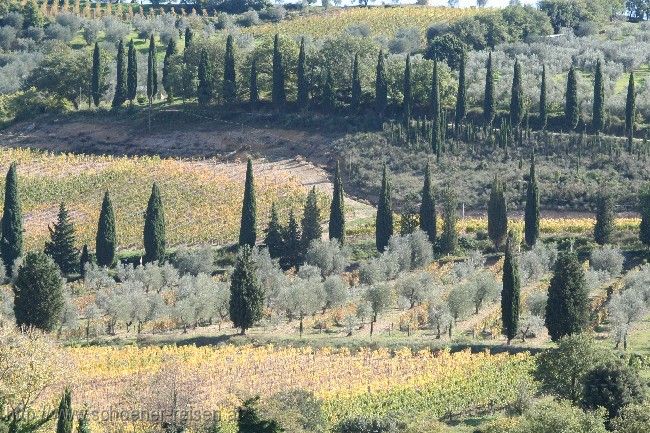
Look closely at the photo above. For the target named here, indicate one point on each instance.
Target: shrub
(634, 418)
(30, 103)
(327, 256)
(91, 29)
(607, 258)
(248, 19)
(363, 424)
(274, 14)
(115, 30)
(559, 416)
(612, 387)
(194, 261)
(69, 20)
(35, 33)
(58, 32)
(406, 40)
(13, 19)
(7, 37)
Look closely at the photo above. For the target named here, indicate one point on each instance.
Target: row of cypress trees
(126, 86)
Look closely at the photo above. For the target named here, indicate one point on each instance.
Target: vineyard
(202, 199)
(380, 21)
(405, 384)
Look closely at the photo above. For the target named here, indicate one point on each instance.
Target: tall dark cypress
(337, 209)
(497, 214)
(510, 292)
(154, 228)
(461, 96)
(169, 52)
(229, 75)
(408, 96)
(449, 237)
(61, 246)
(598, 117)
(95, 83)
(381, 86)
(310, 223)
(644, 210)
(604, 228)
(516, 97)
(488, 100)
(131, 73)
(120, 79)
(246, 293)
(273, 239)
(278, 92)
(543, 112)
(65, 416)
(355, 101)
(189, 35)
(152, 71)
(384, 221)
(84, 259)
(248, 226)
(105, 240)
(571, 109)
(253, 91)
(630, 103)
(428, 207)
(12, 222)
(436, 121)
(204, 88)
(567, 308)
(291, 242)
(329, 97)
(531, 216)
(303, 86)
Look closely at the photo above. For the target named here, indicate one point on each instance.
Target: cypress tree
(604, 227)
(273, 239)
(406, 110)
(436, 121)
(105, 243)
(278, 93)
(516, 98)
(329, 100)
(131, 73)
(120, 79)
(355, 102)
(189, 35)
(384, 221)
(152, 71)
(61, 244)
(567, 308)
(428, 207)
(303, 86)
(84, 259)
(253, 91)
(248, 420)
(644, 210)
(95, 83)
(598, 118)
(229, 75)
(65, 415)
(571, 110)
(337, 209)
(449, 238)
(488, 101)
(248, 226)
(310, 224)
(531, 216)
(84, 426)
(38, 292)
(510, 292)
(543, 113)
(169, 52)
(461, 96)
(291, 242)
(12, 222)
(204, 88)
(497, 214)
(246, 293)
(381, 86)
(630, 110)
(154, 228)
